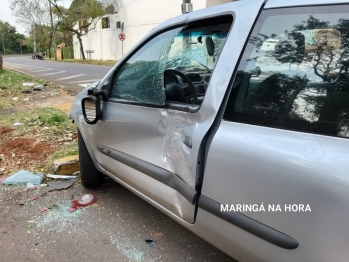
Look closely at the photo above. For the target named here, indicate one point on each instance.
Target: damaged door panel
(143, 152)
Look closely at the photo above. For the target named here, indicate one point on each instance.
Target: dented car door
(154, 133)
(142, 144)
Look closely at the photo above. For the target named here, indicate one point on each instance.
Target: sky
(6, 16)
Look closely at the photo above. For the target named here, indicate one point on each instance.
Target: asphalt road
(72, 76)
(112, 230)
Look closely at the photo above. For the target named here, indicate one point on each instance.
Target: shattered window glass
(193, 54)
(192, 50)
(141, 79)
(188, 51)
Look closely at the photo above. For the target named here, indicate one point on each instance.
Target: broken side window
(188, 51)
(192, 57)
(141, 78)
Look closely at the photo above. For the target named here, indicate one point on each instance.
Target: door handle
(187, 141)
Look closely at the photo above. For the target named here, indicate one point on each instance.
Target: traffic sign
(122, 37)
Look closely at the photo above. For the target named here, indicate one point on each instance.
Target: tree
(10, 39)
(81, 17)
(44, 20)
(36, 15)
(30, 12)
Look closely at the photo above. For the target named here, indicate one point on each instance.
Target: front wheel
(90, 176)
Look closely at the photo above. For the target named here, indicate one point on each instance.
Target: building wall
(139, 17)
(216, 2)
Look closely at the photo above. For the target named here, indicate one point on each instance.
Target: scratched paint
(177, 153)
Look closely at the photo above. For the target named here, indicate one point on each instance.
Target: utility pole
(53, 40)
(187, 7)
(34, 38)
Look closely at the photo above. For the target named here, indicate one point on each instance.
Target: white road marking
(84, 81)
(29, 67)
(61, 72)
(69, 77)
(41, 70)
(14, 63)
(84, 85)
(22, 66)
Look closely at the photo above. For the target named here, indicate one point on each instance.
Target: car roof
(289, 3)
(231, 7)
(221, 9)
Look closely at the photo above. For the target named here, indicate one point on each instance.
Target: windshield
(188, 50)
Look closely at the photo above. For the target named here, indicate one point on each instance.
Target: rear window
(294, 72)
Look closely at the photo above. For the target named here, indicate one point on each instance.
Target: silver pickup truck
(233, 121)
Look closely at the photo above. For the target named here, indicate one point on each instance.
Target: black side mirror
(91, 109)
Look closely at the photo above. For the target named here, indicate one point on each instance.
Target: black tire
(90, 176)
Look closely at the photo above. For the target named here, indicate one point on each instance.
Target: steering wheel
(179, 91)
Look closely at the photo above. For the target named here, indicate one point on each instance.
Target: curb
(66, 165)
(19, 71)
(28, 74)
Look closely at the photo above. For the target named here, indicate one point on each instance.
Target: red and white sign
(122, 37)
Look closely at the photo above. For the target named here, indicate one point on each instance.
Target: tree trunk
(53, 40)
(81, 47)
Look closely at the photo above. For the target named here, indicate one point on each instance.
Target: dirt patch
(28, 146)
(64, 107)
(48, 97)
(45, 98)
(23, 152)
(5, 130)
(41, 136)
(32, 145)
(6, 111)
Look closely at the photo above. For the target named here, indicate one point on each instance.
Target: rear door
(277, 181)
(149, 140)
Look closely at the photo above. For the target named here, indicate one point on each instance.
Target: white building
(138, 18)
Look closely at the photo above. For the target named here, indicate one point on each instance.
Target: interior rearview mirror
(210, 46)
(91, 109)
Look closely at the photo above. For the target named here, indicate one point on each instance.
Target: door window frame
(107, 84)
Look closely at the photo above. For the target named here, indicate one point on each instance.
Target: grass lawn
(11, 86)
